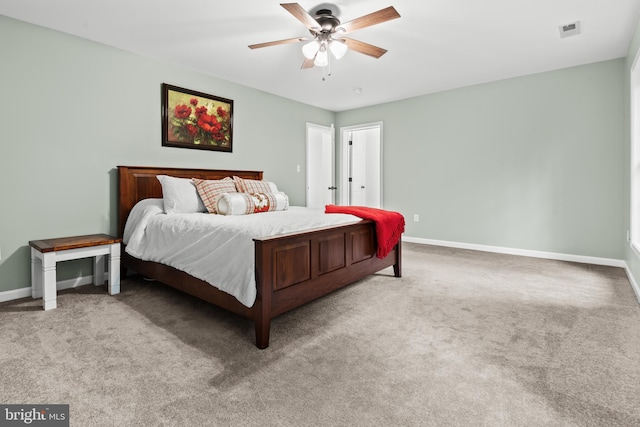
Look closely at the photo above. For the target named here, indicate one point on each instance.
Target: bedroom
(77, 109)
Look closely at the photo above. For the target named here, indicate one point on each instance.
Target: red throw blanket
(389, 225)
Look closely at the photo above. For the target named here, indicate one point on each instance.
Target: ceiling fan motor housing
(328, 22)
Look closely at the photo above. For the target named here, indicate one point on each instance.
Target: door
(358, 169)
(361, 172)
(320, 165)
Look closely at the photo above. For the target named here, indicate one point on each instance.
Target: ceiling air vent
(572, 29)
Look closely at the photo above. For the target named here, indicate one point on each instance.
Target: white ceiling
(436, 44)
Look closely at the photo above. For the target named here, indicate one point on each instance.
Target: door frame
(345, 159)
(332, 131)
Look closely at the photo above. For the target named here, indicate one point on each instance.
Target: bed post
(263, 326)
(397, 267)
(262, 306)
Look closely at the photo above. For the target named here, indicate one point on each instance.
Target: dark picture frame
(192, 119)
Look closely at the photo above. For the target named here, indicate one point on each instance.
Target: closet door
(320, 166)
(361, 165)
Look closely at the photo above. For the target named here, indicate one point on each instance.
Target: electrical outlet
(298, 168)
(416, 218)
(628, 236)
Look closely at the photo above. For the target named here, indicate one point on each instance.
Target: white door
(320, 165)
(358, 169)
(361, 175)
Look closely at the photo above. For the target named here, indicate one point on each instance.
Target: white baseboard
(520, 252)
(63, 284)
(632, 280)
(86, 280)
(15, 294)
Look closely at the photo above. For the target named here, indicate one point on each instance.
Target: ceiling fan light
(322, 58)
(338, 48)
(310, 49)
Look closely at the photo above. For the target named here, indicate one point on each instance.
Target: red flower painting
(198, 120)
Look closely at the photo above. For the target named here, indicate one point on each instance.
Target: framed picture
(197, 120)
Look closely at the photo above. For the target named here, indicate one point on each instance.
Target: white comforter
(218, 249)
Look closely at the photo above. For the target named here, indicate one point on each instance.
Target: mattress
(217, 249)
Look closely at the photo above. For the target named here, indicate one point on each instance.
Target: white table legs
(114, 269)
(43, 270)
(43, 275)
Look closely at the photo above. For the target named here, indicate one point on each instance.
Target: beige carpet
(464, 338)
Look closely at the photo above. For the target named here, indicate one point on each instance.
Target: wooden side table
(46, 253)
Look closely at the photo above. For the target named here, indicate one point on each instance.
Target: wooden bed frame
(290, 269)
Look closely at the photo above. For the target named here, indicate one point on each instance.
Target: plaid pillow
(211, 190)
(254, 186)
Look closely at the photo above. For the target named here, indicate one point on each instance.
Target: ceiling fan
(327, 32)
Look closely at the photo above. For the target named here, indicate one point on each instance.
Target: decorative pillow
(211, 190)
(254, 186)
(180, 195)
(248, 203)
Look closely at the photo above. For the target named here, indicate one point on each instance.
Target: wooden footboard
(294, 269)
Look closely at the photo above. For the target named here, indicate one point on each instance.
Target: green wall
(534, 162)
(72, 110)
(538, 162)
(632, 260)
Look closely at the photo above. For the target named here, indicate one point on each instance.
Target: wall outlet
(416, 218)
(628, 236)
(298, 168)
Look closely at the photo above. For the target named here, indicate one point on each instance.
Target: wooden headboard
(136, 183)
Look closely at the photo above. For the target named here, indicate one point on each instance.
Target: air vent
(568, 30)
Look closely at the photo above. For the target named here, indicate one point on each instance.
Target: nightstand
(46, 253)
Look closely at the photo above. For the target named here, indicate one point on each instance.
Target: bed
(290, 269)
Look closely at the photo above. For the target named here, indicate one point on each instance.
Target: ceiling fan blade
(296, 10)
(308, 63)
(277, 42)
(366, 48)
(374, 18)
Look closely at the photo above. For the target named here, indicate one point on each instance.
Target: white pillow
(180, 195)
(246, 203)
